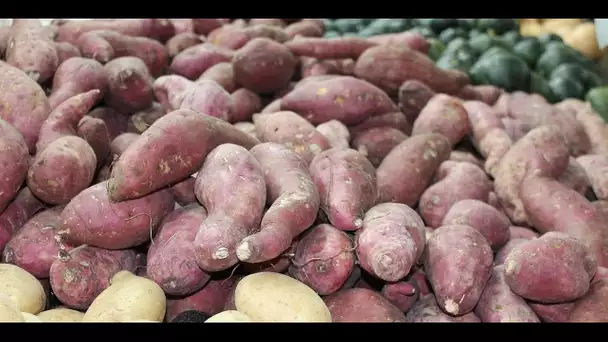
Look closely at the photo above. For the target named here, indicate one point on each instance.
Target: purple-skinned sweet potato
(222, 74)
(159, 29)
(596, 168)
(362, 305)
(95, 132)
(376, 143)
(31, 48)
(75, 76)
(396, 120)
(503, 252)
(14, 162)
(445, 115)
(66, 51)
(181, 42)
(141, 120)
(116, 122)
(17, 213)
(402, 294)
(121, 142)
(192, 62)
(246, 103)
(129, 85)
(211, 299)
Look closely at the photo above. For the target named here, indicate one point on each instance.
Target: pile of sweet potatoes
(250, 170)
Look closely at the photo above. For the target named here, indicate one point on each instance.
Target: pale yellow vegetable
(583, 38)
(531, 29)
(9, 312)
(61, 314)
(128, 298)
(229, 316)
(140, 321)
(31, 318)
(275, 297)
(23, 288)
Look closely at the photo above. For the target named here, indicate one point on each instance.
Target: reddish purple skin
(246, 103)
(129, 85)
(362, 305)
(75, 76)
(578, 178)
(499, 304)
(78, 280)
(14, 162)
(192, 62)
(199, 134)
(211, 299)
(160, 29)
(595, 166)
(443, 114)
(222, 74)
(413, 96)
(335, 48)
(324, 259)
(346, 182)
(141, 120)
(122, 142)
(393, 119)
(504, 251)
(90, 218)
(458, 265)
(592, 307)
(403, 294)
(206, 25)
(375, 143)
(522, 233)
(183, 192)
(66, 51)
(95, 132)
(427, 311)
(17, 213)
(116, 122)
(34, 246)
(345, 98)
(552, 313)
(171, 259)
(182, 41)
(391, 241)
(293, 198)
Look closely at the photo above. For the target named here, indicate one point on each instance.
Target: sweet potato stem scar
(150, 225)
(344, 250)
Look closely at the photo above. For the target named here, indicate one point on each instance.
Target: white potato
(9, 312)
(61, 314)
(31, 318)
(229, 316)
(23, 288)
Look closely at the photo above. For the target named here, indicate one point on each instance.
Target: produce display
(300, 170)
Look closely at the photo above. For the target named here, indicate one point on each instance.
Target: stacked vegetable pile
(212, 170)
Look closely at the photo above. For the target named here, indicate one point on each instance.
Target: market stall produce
(300, 170)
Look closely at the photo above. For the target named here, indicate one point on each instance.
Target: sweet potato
(402, 294)
(121, 142)
(407, 170)
(66, 51)
(592, 307)
(465, 157)
(234, 37)
(105, 46)
(291, 130)
(90, 218)
(247, 127)
(388, 66)
(552, 313)
(25, 105)
(499, 304)
(181, 42)
(159, 29)
(458, 264)
(294, 203)
(336, 133)
(410, 39)
(172, 159)
(141, 120)
(79, 276)
(31, 48)
(183, 192)
(391, 119)
(596, 169)
(204, 97)
(323, 259)
(426, 310)
(489, 94)
(95, 132)
(210, 299)
(531, 270)
(206, 25)
(333, 48)
(596, 130)
(522, 233)
(542, 151)
(17, 213)
(193, 61)
(491, 223)
(35, 246)
(272, 107)
(503, 252)
(171, 260)
(456, 182)
(229, 172)
(223, 74)
(445, 115)
(413, 95)
(391, 241)
(304, 29)
(376, 143)
(267, 21)
(263, 65)
(14, 162)
(345, 98)
(576, 217)
(246, 103)
(575, 177)
(116, 122)
(129, 85)
(362, 305)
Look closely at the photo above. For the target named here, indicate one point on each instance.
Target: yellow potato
(23, 288)
(229, 316)
(583, 38)
(9, 312)
(275, 297)
(31, 318)
(128, 298)
(61, 314)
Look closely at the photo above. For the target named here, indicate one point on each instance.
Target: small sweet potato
(230, 172)
(294, 203)
(171, 259)
(426, 310)
(129, 85)
(323, 259)
(391, 119)
(522, 233)
(66, 51)
(223, 74)
(362, 305)
(575, 176)
(193, 61)
(291, 130)
(503, 252)
(596, 169)
(490, 222)
(31, 48)
(159, 29)
(498, 304)
(402, 294)
(336, 133)
(35, 246)
(170, 160)
(263, 65)
(333, 48)
(95, 132)
(407, 170)
(116, 122)
(375, 143)
(458, 265)
(592, 307)
(80, 275)
(90, 218)
(17, 213)
(246, 103)
(181, 42)
(304, 29)
(445, 115)
(14, 162)
(141, 120)
(391, 241)
(121, 142)
(211, 299)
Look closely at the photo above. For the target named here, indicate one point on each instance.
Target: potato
(192, 62)
(182, 41)
(596, 167)
(209, 300)
(376, 143)
(160, 29)
(22, 288)
(30, 318)
(128, 298)
(14, 162)
(17, 213)
(413, 95)
(407, 170)
(362, 305)
(274, 297)
(129, 85)
(222, 74)
(592, 307)
(246, 103)
(229, 316)
(9, 312)
(31, 49)
(61, 314)
(532, 273)
(458, 264)
(427, 311)
(336, 133)
(75, 76)
(445, 115)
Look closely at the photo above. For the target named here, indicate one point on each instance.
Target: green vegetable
(497, 26)
(424, 31)
(467, 24)
(462, 60)
(598, 98)
(483, 42)
(558, 53)
(331, 34)
(539, 85)
(502, 69)
(529, 50)
(436, 49)
(438, 25)
(511, 38)
(451, 33)
(566, 88)
(545, 38)
(456, 44)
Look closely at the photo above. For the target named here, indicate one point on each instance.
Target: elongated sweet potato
(193, 61)
(304, 29)
(75, 76)
(362, 305)
(445, 115)
(14, 162)
(595, 128)
(294, 203)
(235, 37)
(171, 259)
(376, 143)
(334, 48)
(90, 218)
(182, 41)
(95, 132)
(160, 29)
(222, 74)
(129, 85)
(169, 159)
(246, 103)
(31, 48)
(426, 310)
(17, 213)
(410, 39)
